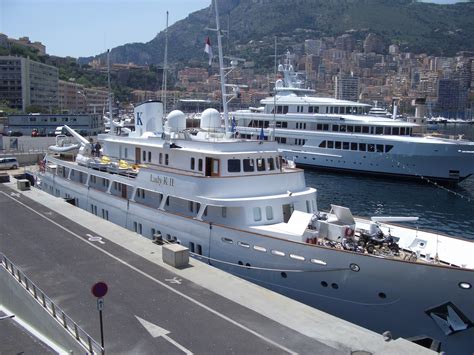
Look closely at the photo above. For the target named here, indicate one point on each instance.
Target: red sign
(99, 289)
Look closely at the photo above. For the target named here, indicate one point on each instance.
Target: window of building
(233, 165)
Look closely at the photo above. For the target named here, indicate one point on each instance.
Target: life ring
(349, 232)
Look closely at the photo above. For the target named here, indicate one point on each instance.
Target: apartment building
(24, 82)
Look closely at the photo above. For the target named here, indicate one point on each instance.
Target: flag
(233, 124)
(261, 136)
(208, 49)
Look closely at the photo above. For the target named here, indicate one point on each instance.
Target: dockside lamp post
(99, 290)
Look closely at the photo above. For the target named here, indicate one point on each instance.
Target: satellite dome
(176, 121)
(210, 119)
(279, 83)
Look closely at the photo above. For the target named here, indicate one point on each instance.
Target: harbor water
(445, 209)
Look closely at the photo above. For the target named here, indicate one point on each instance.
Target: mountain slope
(418, 27)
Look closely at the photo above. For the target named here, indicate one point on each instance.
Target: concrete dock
(151, 307)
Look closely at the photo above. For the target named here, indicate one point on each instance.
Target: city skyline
(91, 31)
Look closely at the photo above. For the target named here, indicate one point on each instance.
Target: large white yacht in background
(341, 135)
(235, 205)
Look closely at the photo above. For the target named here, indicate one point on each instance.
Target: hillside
(418, 27)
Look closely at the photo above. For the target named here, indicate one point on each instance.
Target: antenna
(165, 68)
(274, 92)
(110, 92)
(221, 68)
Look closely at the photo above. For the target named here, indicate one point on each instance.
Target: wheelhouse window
(260, 164)
(362, 147)
(330, 144)
(396, 131)
(337, 145)
(357, 129)
(353, 146)
(379, 148)
(249, 165)
(335, 128)
(365, 129)
(322, 144)
(271, 164)
(233, 165)
(378, 130)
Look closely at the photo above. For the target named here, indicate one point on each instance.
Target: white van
(9, 163)
(59, 130)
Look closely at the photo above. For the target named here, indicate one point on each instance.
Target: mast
(221, 69)
(110, 92)
(165, 68)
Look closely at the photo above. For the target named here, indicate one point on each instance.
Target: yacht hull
(377, 293)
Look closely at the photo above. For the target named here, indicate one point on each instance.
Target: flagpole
(221, 69)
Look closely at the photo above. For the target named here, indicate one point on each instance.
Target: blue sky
(81, 28)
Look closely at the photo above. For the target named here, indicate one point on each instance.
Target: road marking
(156, 331)
(174, 280)
(144, 274)
(93, 238)
(15, 194)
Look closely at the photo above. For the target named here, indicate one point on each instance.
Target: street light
(85, 99)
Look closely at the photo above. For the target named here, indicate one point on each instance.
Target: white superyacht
(237, 206)
(345, 136)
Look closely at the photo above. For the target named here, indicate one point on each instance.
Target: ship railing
(80, 335)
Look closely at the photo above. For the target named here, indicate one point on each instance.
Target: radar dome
(176, 121)
(210, 119)
(279, 83)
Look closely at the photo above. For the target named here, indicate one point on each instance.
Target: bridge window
(388, 148)
(233, 165)
(357, 129)
(260, 164)
(193, 163)
(249, 165)
(271, 164)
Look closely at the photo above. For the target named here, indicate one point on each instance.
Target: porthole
(259, 248)
(227, 240)
(382, 295)
(248, 265)
(354, 267)
(284, 275)
(324, 284)
(297, 257)
(244, 245)
(335, 286)
(277, 252)
(465, 285)
(319, 262)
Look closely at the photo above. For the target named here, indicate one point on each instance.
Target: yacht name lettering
(162, 180)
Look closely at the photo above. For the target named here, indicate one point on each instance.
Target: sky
(82, 28)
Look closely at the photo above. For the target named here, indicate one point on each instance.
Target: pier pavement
(153, 308)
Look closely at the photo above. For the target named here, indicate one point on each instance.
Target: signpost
(99, 290)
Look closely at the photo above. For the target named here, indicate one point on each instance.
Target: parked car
(9, 163)
(15, 133)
